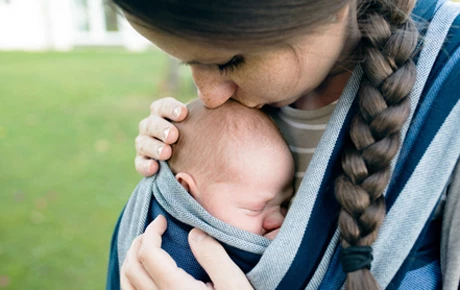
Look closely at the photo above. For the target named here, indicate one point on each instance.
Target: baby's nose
(273, 221)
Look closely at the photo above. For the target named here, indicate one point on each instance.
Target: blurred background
(75, 81)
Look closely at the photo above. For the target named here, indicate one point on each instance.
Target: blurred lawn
(67, 128)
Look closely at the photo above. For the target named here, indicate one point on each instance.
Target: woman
(298, 56)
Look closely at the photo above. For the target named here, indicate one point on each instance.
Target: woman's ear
(187, 181)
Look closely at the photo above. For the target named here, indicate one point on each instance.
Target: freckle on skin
(206, 100)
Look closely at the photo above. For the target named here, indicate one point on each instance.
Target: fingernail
(177, 111)
(166, 133)
(159, 150)
(197, 235)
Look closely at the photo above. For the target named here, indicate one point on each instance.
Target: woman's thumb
(223, 272)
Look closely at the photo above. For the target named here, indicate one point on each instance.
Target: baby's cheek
(252, 224)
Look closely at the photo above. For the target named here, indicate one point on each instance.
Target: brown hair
(266, 22)
(388, 42)
(210, 139)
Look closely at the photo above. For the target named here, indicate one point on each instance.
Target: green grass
(67, 128)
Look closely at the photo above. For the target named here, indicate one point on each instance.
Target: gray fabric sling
(181, 205)
(402, 224)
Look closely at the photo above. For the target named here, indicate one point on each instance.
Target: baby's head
(234, 161)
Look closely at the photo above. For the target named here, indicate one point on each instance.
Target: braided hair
(389, 40)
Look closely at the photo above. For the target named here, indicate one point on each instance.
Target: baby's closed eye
(254, 211)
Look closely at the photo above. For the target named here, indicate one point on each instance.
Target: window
(111, 18)
(81, 15)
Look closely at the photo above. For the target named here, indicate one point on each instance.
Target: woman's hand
(156, 134)
(147, 266)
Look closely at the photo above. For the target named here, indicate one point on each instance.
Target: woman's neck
(332, 87)
(329, 91)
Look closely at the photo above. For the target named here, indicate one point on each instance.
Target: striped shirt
(302, 130)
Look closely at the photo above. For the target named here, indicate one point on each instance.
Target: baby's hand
(156, 133)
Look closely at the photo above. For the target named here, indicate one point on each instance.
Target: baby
(235, 163)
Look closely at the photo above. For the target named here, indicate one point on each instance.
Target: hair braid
(389, 40)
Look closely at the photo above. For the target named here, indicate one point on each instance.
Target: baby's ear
(187, 181)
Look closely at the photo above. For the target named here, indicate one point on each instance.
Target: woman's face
(277, 76)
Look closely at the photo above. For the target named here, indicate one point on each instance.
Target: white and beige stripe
(302, 130)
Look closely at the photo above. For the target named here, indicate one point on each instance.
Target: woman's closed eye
(231, 65)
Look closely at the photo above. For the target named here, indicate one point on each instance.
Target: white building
(63, 25)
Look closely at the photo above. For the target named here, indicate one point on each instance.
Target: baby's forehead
(220, 139)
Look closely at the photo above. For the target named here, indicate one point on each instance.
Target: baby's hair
(210, 139)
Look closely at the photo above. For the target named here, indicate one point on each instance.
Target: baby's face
(253, 195)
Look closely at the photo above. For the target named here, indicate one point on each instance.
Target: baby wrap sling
(304, 253)
(167, 197)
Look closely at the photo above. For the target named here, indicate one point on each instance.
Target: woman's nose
(214, 89)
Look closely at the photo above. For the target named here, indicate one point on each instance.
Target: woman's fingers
(156, 134)
(147, 266)
(224, 273)
(156, 261)
(149, 147)
(133, 274)
(152, 148)
(125, 285)
(169, 108)
(159, 128)
(145, 166)
(159, 265)
(155, 230)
